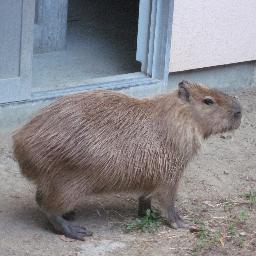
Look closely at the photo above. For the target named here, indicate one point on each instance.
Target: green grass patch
(243, 215)
(149, 223)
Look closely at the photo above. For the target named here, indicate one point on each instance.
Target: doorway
(79, 45)
(100, 41)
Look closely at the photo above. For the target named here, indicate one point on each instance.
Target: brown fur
(104, 141)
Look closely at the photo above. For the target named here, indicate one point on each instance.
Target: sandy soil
(212, 195)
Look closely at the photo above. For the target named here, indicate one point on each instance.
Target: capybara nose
(237, 114)
(237, 110)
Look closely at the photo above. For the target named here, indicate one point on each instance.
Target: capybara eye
(208, 101)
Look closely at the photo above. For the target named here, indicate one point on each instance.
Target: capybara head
(215, 111)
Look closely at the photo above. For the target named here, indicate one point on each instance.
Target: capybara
(106, 142)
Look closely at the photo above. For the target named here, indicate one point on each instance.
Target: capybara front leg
(144, 205)
(173, 218)
(167, 199)
(64, 227)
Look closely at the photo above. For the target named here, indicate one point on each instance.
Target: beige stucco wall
(212, 32)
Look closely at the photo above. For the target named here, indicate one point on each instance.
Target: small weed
(149, 223)
(241, 241)
(203, 234)
(209, 238)
(250, 197)
(228, 206)
(231, 229)
(235, 226)
(243, 215)
(206, 239)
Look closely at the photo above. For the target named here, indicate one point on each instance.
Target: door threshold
(117, 82)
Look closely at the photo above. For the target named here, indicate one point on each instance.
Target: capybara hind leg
(144, 205)
(64, 227)
(69, 215)
(55, 204)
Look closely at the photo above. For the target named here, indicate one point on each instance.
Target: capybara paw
(178, 223)
(77, 232)
(64, 227)
(174, 219)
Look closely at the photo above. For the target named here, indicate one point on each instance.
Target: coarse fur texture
(107, 142)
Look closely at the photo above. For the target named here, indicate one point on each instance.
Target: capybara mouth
(237, 122)
(235, 125)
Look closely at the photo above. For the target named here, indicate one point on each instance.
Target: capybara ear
(183, 90)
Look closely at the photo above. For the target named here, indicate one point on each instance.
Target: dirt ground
(217, 194)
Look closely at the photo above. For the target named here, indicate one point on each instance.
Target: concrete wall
(231, 76)
(209, 33)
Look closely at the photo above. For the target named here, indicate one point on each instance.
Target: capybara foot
(177, 223)
(174, 219)
(69, 215)
(64, 227)
(144, 205)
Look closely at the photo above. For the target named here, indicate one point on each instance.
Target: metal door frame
(19, 88)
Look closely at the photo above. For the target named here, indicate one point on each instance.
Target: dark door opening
(101, 41)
